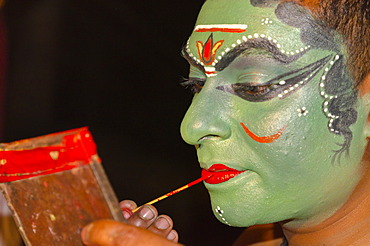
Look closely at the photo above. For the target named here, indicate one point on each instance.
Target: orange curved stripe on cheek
(264, 139)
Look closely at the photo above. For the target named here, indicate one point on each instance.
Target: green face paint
(273, 99)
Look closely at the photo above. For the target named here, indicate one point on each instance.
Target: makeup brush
(174, 191)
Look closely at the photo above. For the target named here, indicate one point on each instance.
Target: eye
(252, 93)
(194, 84)
(251, 90)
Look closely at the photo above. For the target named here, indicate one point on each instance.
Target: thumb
(112, 233)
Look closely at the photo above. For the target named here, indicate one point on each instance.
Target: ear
(364, 93)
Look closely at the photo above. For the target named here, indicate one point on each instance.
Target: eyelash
(253, 90)
(194, 84)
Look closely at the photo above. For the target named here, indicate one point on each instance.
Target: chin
(236, 217)
(245, 214)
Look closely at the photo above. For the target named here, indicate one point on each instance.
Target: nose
(206, 118)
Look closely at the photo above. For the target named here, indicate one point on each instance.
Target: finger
(127, 206)
(173, 236)
(161, 226)
(144, 217)
(112, 233)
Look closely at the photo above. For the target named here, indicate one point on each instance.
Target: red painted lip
(220, 173)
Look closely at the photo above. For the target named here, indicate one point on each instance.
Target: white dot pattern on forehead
(220, 213)
(326, 96)
(239, 42)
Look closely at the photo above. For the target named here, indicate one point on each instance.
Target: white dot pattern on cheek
(238, 42)
(326, 96)
(220, 213)
(266, 21)
(302, 111)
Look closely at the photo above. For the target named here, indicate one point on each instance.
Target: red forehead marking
(216, 29)
(207, 51)
(213, 72)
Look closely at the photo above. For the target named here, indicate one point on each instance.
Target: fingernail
(85, 233)
(171, 236)
(126, 213)
(162, 223)
(146, 213)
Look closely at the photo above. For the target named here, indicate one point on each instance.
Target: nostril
(210, 136)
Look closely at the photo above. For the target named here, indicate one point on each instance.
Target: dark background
(115, 66)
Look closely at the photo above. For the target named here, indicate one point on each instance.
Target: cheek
(267, 122)
(288, 128)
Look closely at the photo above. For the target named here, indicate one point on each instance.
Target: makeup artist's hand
(113, 233)
(144, 227)
(147, 217)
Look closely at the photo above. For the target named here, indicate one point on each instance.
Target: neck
(348, 226)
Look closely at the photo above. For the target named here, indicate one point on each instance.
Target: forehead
(226, 24)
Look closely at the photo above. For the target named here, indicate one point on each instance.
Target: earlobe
(367, 127)
(364, 86)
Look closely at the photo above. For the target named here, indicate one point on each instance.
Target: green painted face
(275, 106)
